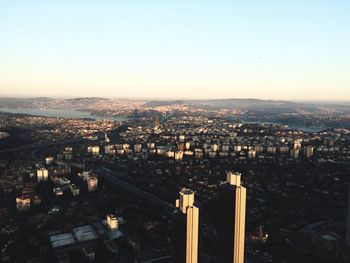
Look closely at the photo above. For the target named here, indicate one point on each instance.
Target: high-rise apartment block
(308, 151)
(231, 220)
(137, 148)
(186, 229)
(42, 174)
(112, 222)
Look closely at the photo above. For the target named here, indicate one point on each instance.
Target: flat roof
(62, 240)
(329, 237)
(84, 233)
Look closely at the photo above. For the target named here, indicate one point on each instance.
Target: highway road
(33, 146)
(112, 178)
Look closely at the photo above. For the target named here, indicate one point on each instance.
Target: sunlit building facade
(308, 151)
(186, 229)
(112, 222)
(231, 220)
(23, 203)
(42, 174)
(92, 183)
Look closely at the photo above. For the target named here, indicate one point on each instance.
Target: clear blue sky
(277, 49)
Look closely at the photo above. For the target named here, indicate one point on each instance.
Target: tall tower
(231, 220)
(348, 222)
(186, 229)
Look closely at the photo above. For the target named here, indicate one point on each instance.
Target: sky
(266, 49)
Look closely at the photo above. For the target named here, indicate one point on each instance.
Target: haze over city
(290, 50)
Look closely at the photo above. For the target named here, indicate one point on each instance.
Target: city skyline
(286, 51)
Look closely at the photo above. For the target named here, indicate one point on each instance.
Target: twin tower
(231, 224)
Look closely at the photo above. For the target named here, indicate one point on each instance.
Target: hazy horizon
(295, 50)
(169, 99)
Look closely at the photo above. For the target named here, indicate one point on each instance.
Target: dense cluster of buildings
(287, 164)
(49, 129)
(295, 192)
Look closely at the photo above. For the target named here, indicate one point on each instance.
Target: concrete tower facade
(186, 228)
(231, 220)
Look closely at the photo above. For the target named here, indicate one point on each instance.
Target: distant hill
(97, 103)
(22, 102)
(225, 103)
(53, 103)
(87, 99)
(157, 103)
